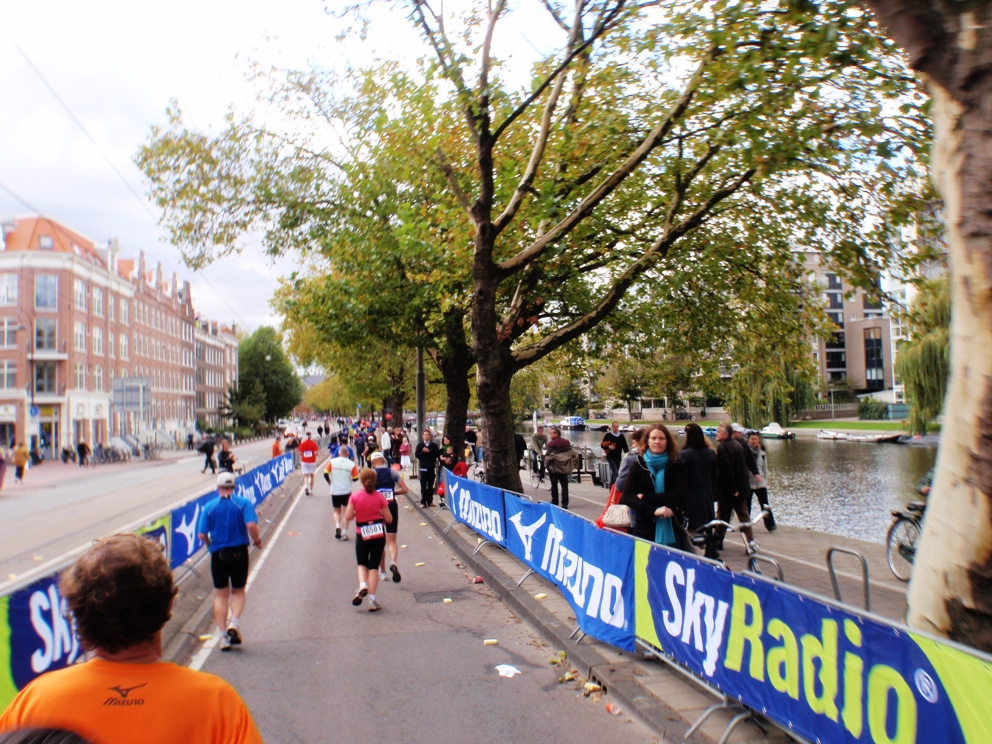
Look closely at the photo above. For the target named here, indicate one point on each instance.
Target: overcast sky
(116, 65)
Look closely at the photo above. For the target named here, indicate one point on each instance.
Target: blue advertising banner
(593, 568)
(831, 675)
(477, 505)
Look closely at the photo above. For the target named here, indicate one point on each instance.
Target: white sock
(371, 598)
(363, 585)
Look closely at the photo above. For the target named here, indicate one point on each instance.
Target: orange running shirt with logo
(108, 702)
(308, 451)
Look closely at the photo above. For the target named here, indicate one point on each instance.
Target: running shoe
(224, 643)
(234, 634)
(362, 593)
(337, 533)
(374, 606)
(396, 573)
(306, 491)
(383, 576)
(752, 547)
(344, 535)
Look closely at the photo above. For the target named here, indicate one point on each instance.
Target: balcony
(47, 355)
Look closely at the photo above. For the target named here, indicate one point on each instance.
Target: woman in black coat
(639, 492)
(701, 471)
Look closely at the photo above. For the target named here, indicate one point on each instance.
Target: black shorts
(369, 552)
(234, 570)
(340, 502)
(394, 509)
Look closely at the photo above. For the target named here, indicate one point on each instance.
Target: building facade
(74, 317)
(216, 369)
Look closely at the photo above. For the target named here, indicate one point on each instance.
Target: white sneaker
(383, 576)
(752, 547)
(224, 643)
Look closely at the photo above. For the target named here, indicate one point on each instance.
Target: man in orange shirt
(308, 462)
(276, 447)
(120, 594)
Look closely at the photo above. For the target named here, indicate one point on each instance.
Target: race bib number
(387, 493)
(372, 531)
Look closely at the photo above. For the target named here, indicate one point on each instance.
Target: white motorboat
(832, 435)
(774, 431)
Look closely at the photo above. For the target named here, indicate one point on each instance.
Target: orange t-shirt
(108, 702)
(276, 449)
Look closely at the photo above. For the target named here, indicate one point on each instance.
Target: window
(45, 242)
(111, 349)
(80, 336)
(97, 340)
(123, 346)
(837, 318)
(46, 334)
(98, 302)
(835, 301)
(874, 362)
(8, 332)
(8, 375)
(837, 376)
(836, 341)
(833, 281)
(46, 292)
(110, 307)
(79, 377)
(124, 311)
(98, 378)
(79, 295)
(8, 289)
(836, 359)
(45, 377)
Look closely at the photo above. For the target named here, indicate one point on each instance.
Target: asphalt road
(314, 668)
(60, 507)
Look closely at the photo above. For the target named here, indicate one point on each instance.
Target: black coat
(732, 473)
(640, 481)
(520, 445)
(701, 472)
(427, 454)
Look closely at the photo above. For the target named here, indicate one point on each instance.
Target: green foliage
(526, 393)
(870, 409)
(924, 360)
(246, 405)
(567, 398)
(330, 396)
(262, 364)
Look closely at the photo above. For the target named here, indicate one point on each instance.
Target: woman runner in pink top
(370, 510)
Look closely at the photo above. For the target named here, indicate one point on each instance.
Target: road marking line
(204, 653)
(846, 575)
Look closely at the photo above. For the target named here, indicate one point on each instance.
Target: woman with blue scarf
(655, 490)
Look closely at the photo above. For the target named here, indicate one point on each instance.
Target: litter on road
(402, 546)
(505, 670)
(490, 642)
(476, 580)
(613, 709)
(542, 595)
(418, 564)
(423, 524)
(446, 600)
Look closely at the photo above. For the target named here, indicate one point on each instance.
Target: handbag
(615, 515)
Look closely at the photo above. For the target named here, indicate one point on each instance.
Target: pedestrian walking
(733, 484)
(120, 595)
(207, 450)
(701, 478)
(370, 510)
(637, 445)
(390, 484)
(226, 525)
(82, 453)
(655, 490)
(740, 436)
(427, 455)
(189, 441)
(759, 485)
(614, 444)
(308, 462)
(560, 459)
(341, 474)
(21, 458)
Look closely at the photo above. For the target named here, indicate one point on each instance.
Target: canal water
(843, 488)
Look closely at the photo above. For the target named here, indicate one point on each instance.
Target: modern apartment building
(75, 317)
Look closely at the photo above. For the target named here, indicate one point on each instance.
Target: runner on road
(370, 510)
(225, 526)
(341, 474)
(308, 462)
(390, 484)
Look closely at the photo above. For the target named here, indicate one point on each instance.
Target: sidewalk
(665, 699)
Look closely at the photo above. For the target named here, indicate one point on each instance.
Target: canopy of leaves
(263, 363)
(923, 361)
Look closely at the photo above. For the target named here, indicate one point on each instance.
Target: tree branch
(556, 16)
(449, 172)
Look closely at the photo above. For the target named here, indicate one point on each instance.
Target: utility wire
(20, 199)
(106, 157)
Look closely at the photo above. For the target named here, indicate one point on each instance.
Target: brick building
(73, 318)
(216, 369)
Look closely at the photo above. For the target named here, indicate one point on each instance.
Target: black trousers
(426, 486)
(209, 463)
(557, 478)
(614, 471)
(762, 494)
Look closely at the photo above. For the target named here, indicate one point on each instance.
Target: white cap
(225, 479)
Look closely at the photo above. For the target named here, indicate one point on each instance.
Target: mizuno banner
(831, 675)
(593, 568)
(477, 505)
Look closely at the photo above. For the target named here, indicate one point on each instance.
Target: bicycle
(538, 473)
(477, 472)
(901, 539)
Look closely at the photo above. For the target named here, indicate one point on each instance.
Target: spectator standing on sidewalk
(308, 462)
(226, 524)
(636, 447)
(82, 453)
(225, 458)
(21, 458)
(207, 450)
(759, 485)
(385, 443)
(561, 461)
(733, 484)
(614, 444)
(740, 436)
(427, 454)
(472, 439)
(655, 489)
(120, 594)
(276, 448)
(189, 441)
(293, 445)
(701, 473)
(405, 450)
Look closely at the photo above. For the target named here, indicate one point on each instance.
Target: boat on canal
(875, 438)
(774, 431)
(572, 423)
(832, 435)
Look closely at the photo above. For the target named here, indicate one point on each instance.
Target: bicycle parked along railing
(902, 538)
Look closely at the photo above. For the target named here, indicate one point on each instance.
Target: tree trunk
(951, 590)
(454, 372)
(493, 383)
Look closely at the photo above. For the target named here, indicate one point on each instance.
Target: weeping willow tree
(760, 393)
(924, 360)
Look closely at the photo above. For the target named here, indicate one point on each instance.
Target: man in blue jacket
(225, 526)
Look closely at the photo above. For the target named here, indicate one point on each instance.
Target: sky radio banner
(833, 676)
(477, 505)
(593, 568)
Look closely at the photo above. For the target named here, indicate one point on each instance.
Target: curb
(184, 641)
(618, 679)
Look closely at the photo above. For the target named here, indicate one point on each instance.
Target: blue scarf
(657, 464)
